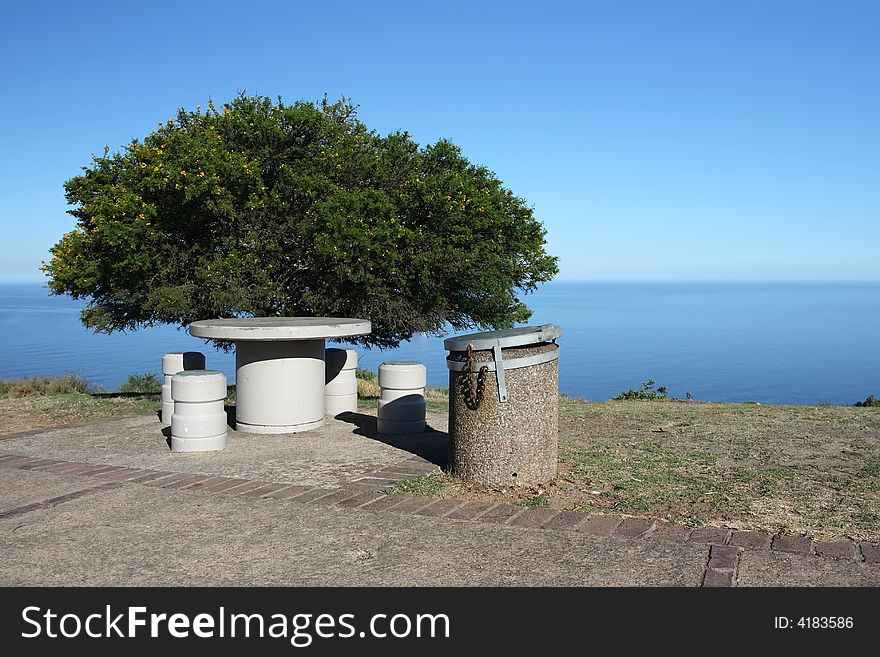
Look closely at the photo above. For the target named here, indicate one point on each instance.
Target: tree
(266, 209)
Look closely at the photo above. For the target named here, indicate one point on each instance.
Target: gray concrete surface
(340, 451)
(770, 568)
(20, 488)
(135, 535)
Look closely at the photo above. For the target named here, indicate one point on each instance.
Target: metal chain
(473, 400)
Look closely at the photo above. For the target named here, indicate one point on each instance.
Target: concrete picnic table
(279, 367)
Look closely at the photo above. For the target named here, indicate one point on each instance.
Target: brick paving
(634, 527)
(664, 531)
(838, 548)
(501, 513)
(724, 546)
(790, 543)
(533, 517)
(470, 510)
(600, 525)
(870, 552)
(565, 520)
(709, 535)
(721, 569)
(751, 539)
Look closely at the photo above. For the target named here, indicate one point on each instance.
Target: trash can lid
(515, 337)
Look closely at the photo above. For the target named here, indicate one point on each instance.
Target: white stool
(172, 363)
(199, 420)
(341, 388)
(402, 397)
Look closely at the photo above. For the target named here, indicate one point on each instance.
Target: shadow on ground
(431, 445)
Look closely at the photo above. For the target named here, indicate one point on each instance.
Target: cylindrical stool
(503, 406)
(172, 363)
(340, 390)
(199, 420)
(402, 397)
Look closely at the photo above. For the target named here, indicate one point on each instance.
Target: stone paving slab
(340, 452)
(772, 568)
(135, 535)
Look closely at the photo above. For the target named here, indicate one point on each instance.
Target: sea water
(799, 343)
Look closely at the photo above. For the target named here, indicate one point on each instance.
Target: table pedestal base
(271, 428)
(279, 385)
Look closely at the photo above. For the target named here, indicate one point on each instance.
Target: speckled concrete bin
(172, 363)
(503, 420)
(340, 376)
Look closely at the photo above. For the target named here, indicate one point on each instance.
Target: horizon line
(43, 283)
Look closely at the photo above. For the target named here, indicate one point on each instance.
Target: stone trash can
(401, 397)
(340, 375)
(503, 405)
(172, 363)
(199, 420)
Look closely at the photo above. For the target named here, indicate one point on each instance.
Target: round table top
(279, 328)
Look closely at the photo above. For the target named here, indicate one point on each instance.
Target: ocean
(773, 343)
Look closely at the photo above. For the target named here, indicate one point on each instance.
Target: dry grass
(800, 469)
(40, 402)
(43, 385)
(43, 411)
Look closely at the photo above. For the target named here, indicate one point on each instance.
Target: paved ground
(109, 504)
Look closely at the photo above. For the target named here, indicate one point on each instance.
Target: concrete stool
(199, 420)
(340, 390)
(402, 397)
(172, 363)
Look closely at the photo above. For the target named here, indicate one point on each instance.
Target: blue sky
(655, 140)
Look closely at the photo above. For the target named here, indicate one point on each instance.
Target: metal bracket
(499, 373)
(509, 364)
(499, 365)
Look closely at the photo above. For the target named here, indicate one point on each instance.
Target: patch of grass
(44, 385)
(537, 501)
(431, 484)
(39, 402)
(144, 383)
(42, 411)
(443, 484)
(872, 469)
(648, 477)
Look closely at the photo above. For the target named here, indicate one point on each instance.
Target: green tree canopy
(266, 209)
